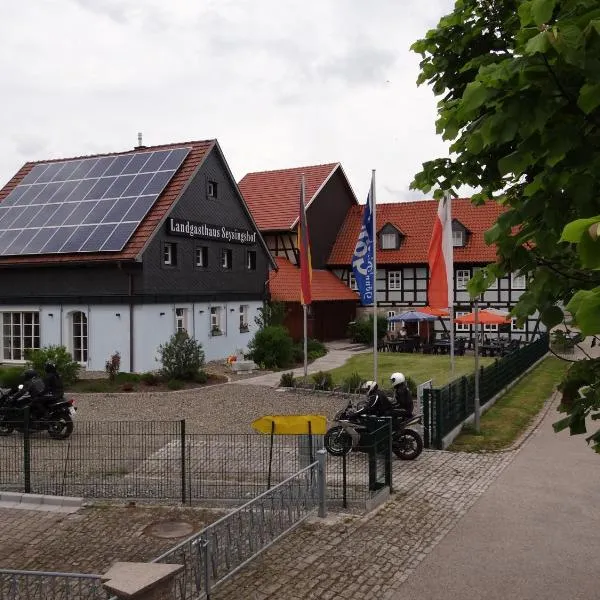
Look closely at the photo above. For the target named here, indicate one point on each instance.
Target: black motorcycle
(56, 419)
(351, 425)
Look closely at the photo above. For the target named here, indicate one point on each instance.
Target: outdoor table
(442, 346)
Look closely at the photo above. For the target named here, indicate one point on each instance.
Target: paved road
(533, 535)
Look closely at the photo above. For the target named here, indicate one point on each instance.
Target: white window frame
(389, 241)
(212, 189)
(514, 328)
(395, 280)
(80, 351)
(226, 258)
(249, 255)
(491, 327)
(462, 278)
(461, 326)
(28, 334)
(201, 251)
(518, 282)
(169, 254)
(458, 238)
(180, 319)
(391, 324)
(352, 282)
(244, 317)
(215, 319)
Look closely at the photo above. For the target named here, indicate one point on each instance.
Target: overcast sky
(280, 83)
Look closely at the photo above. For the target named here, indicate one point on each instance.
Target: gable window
(20, 332)
(389, 241)
(352, 281)
(251, 260)
(518, 282)
(215, 321)
(458, 238)
(395, 280)
(212, 189)
(391, 324)
(202, 257)
(170, 254)
(461, 326)
(180, 320)
(462, 277)
(226, 258)
(243, 317)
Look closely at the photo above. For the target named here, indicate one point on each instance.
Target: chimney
(140, 146)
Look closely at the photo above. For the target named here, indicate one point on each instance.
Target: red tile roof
(284, 284)
(415, 221)
(199, 150)
(273, 196)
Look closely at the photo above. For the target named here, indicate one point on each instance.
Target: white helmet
(397, 379)
(370, 386)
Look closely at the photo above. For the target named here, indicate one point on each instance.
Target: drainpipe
(131, 330)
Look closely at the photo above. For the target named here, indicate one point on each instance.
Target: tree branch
(577, 275)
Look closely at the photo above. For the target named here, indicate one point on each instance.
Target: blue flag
(362, 261)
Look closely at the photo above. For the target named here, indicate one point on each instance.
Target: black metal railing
(447, 407)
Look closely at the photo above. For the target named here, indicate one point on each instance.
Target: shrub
(412, 386)
(67, 368)
(315, 349)
(272, 313)
(287, 380)
(127, 387)
(323, 380)
(352, 383)
(361, 332)
(272, 347)
(150, 378)
(181, 357)
(113, 366)
(201, 377)
(297, 353)
(175, 384)
(128, 378)
(11, 377)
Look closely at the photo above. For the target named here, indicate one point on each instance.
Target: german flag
(304, 251)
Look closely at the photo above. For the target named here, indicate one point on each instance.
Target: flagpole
(374, 238)
(305, 310)
(451, 288)
(477, 407)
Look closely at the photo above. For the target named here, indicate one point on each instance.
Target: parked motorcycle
(351, 425)
(57, 417)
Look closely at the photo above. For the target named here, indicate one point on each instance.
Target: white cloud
(278, 83)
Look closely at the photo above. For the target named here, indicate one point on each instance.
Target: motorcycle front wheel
(337, 441)
(61, 428)
(407, 444)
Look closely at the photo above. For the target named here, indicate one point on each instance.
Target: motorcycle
(350, 426)
(57, 418)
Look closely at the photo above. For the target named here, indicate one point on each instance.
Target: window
(243, 317)
(395, 280)
(518, 282)
(180, 320)
(352, 281)
(391, 324)
(226, 256)
(461, 326)
(490, 327)
(462, 277)
(251, 260)
(212, 189)
(170, 254)
(458, 237)
(202, 257)
(215, 320)
(389, 241)
(515, 327)
(20, 332)
(80, 337)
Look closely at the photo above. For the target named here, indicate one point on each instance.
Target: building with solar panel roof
(117, 252)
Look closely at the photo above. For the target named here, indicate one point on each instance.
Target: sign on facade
(193, 229)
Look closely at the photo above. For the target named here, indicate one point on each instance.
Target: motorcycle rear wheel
(407, 444)
(61, 428)
(337, 441)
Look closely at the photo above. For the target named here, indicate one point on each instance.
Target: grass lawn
(512, 413)
(421, 367)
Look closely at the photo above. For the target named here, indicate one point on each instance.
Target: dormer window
(389, 237)
(459, 234)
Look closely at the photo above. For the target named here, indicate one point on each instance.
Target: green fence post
(427, 417)
(465, 393)
(183, 461)
(439, 420)
(26, 451)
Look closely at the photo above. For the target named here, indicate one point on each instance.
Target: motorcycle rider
(53, 385)
(403, 402)
(378, 403)
(33, 385)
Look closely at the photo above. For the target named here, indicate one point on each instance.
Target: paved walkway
(338, 353)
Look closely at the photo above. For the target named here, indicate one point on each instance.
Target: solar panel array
(84, 205)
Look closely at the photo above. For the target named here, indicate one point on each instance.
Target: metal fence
(161, 460)
(447, 407)
(221, 549)
(41, 585)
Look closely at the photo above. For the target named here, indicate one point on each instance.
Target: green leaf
(514, 163)
(577, 424)
(589, 251)
(538, 43)
(525, 14)
(552, 316)
(587, 314)
(475, 95)
(561, 425)
(589, 97)
(575, 229)
(541, 10)
(492, 235)
(578, 299)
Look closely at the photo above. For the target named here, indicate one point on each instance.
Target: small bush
(113, 366)
(361, 332)
(287, 380)
(201, 377)
(297, 353)
(412, 386)
(93, 386)
(175, 384)
(272, 347)
(272, 313)
(150, 378)
(352, 383)
(128, 378)
(11, 377)
(181, 357)
(323, 380)
(127, 387)
(67, 368)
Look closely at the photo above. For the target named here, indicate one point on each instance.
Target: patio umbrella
(436, 312)
(412, 315)
(485, 317)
